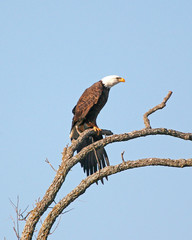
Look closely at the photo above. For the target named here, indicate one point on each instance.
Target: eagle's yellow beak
(121, 80)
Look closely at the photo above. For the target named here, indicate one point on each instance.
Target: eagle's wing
(88, 99)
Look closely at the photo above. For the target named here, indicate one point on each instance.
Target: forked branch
(107, 171)
(69, 160)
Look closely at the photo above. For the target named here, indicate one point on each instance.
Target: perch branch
(84, 135)
(51, 192)
(107, 171)
(154, 109)
(71, 160)
(128, 136)
(68, 161)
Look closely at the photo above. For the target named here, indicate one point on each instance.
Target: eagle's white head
(112, 80)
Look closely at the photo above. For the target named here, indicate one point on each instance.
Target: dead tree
(69, 160)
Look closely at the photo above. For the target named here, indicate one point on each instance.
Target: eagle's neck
(105, 86)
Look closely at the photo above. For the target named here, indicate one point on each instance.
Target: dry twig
(47, 161)
(154, 109)
(16, 224)
(122, 156)
(107, 171)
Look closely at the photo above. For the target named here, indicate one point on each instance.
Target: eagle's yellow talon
(96, 129)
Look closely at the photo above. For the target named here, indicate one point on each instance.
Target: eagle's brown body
(85, 113)
(90, 104)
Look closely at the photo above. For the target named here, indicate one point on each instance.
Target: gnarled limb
(69, 160)
(107, 171)
(50, 194)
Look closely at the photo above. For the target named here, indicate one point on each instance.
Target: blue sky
(50, 52)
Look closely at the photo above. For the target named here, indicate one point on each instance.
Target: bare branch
(16, 224)
(21, 214)
(15, 228)
(69, 161)
(128, 136)
(154, 109)
(122, 156)
(107, 171)
(56, 226)
(47, 161)
(85, 134)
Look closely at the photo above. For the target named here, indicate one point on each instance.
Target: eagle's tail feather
(96, 159)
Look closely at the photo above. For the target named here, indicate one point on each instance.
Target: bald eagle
(85, 114)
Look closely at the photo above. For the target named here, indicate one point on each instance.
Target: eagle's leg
(99, 166)
(78, 130)
(98, 163)
(95, 127)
